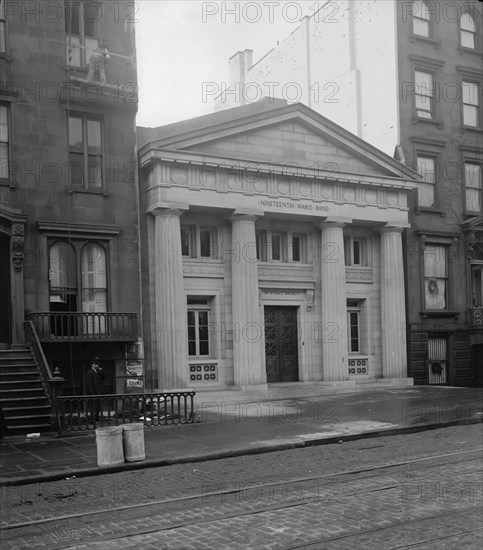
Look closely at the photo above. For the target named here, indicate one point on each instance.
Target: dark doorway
(477, 364)
(5, 307)
(281, 346)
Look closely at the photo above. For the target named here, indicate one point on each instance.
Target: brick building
(407, 77)
(68, 195)
(272, 252)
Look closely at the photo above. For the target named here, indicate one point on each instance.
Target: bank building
(272, 253)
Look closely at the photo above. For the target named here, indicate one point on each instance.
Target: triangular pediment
(291, 135)
(289, 143)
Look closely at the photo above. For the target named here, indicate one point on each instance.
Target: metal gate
(437, 360)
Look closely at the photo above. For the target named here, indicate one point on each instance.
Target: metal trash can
(133, 441)
(109, 446)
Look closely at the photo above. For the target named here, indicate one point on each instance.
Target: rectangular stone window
(424, 94)
(477, 285)
(186, 241)
(206, 243)
(3, 37)
(473, 187)
(427, 188)
(421, 19)
(354, 326)
(355, 251)
(471, 104)
(468, 31)
(4, 142)
(197, 242)
(435, 277)
(85, 151)
(299, 247)
(276, 247)
(82, 27)
(198, 318)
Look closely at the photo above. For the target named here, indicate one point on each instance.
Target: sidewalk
(248, 428)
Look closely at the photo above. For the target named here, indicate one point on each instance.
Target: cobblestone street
(419, 491)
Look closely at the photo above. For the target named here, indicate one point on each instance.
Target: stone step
(291, 390)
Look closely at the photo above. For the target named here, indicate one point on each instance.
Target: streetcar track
(221, 494)
(395, 525)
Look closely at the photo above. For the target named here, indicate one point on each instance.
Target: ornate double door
(281, 344)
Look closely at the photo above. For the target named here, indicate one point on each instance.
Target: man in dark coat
(94, 384)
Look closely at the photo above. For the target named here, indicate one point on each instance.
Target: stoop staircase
(24, 402)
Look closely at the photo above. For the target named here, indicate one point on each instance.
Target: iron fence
(88, 412)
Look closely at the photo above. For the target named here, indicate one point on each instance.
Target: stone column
(393, 312)
(171, 329)
(334, 305)
(247, 322)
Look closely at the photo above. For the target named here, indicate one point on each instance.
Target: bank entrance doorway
(281, 344)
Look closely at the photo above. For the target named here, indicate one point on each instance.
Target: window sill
(439, 313)
(73, 190)
(438, 123)
(427, 210)
(417, 37)
(8, 183)
(464, 129)
(463, 49)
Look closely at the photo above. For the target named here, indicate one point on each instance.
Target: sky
(183, 44)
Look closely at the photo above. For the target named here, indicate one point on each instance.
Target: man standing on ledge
(99, 59)
(94, 384)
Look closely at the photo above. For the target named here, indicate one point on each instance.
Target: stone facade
(69, 179)
(272, 251)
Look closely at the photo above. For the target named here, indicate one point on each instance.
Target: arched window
(62, 277)
(78, 276)
(94, 280)
(421, 19)
(468, 31)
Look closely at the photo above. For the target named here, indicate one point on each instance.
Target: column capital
(246, 215)
(168, 210)
(393, 228)
(333, 222)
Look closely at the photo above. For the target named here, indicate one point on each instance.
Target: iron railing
(79, 326)
(32, 340)
(88, 412)
(476, 317)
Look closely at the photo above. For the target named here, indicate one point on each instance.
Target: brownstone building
(441, 135)
(68, 199)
